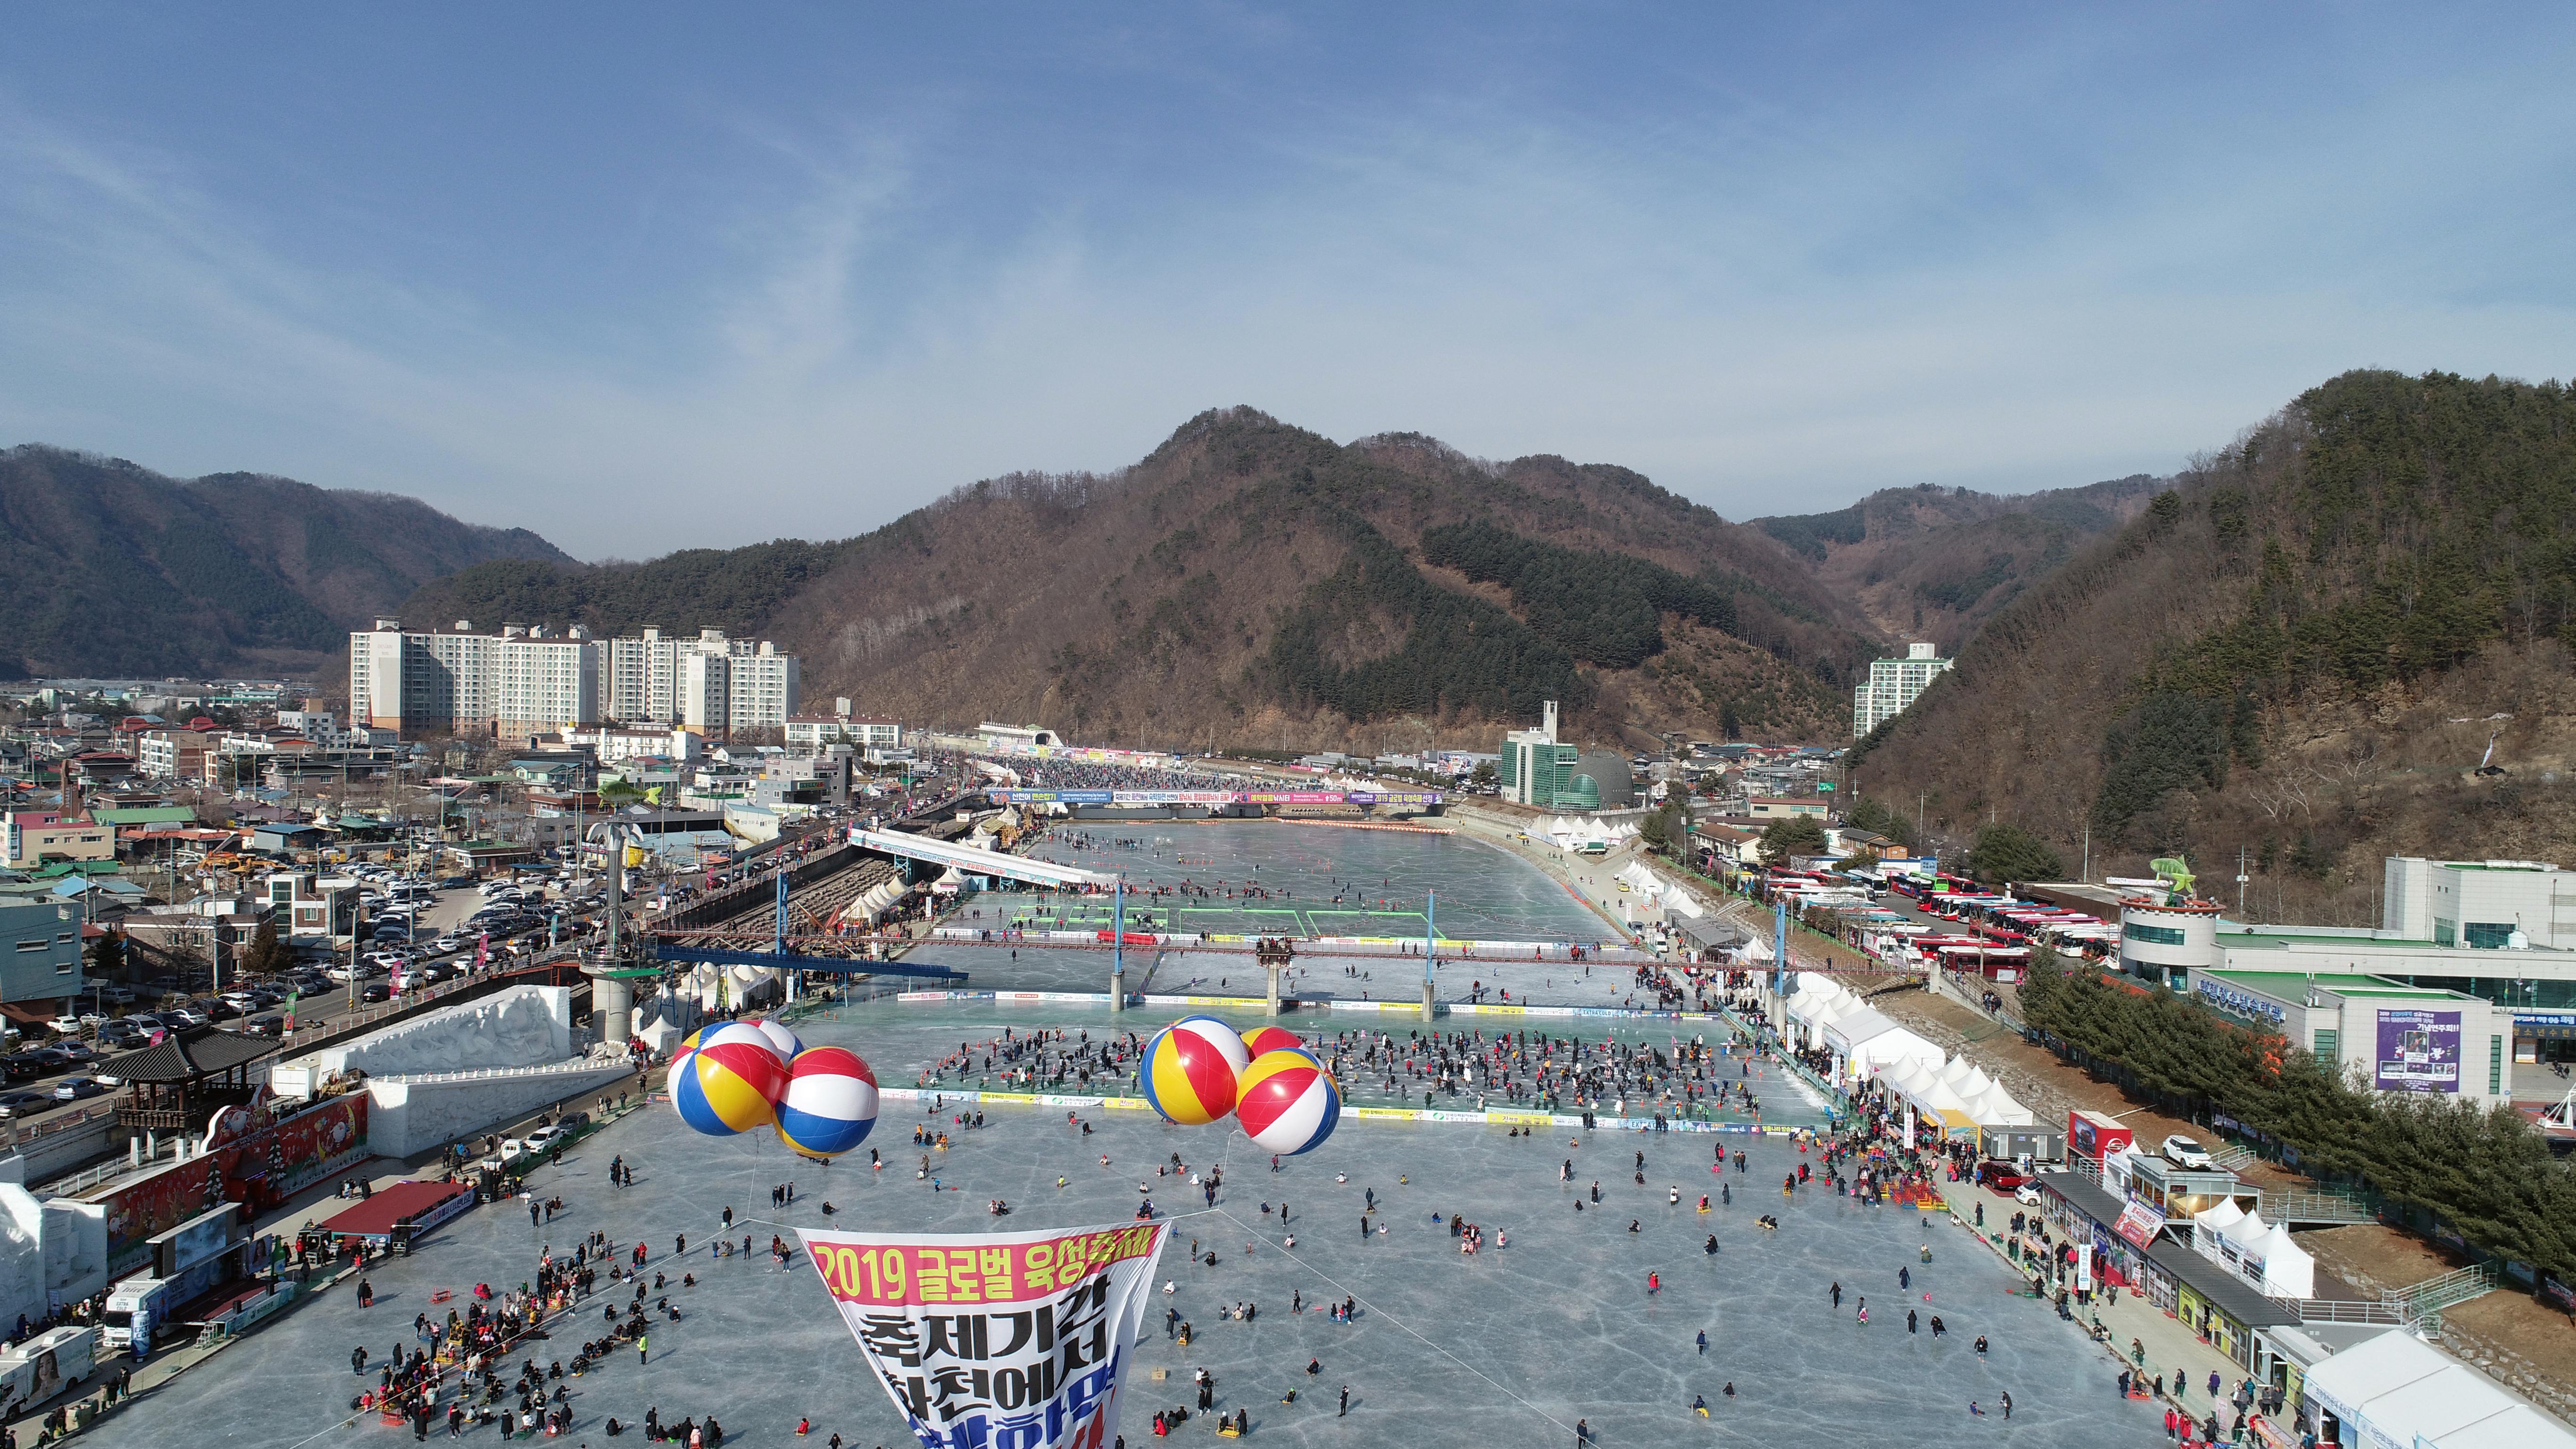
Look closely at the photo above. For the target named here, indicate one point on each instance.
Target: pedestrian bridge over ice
(974, 860)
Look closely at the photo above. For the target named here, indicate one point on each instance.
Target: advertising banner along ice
(997, 1341)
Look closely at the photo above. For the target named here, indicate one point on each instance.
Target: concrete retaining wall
(406, 1117)
(57, 1154)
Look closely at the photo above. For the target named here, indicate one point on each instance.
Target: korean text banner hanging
(1012, 1341)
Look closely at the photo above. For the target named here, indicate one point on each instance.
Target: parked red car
(2003, 1176)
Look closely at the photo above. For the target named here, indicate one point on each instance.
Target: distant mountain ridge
(1934, 563)
(112, 569)
(1253, 583)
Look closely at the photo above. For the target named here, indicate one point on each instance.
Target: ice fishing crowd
(1692, 1080)
(459, 1368)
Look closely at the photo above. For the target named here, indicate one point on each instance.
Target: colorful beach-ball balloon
(1272, 1039)
(830, 1104)
(721, 1031)
(1190, 1067)
(781, 1040)
(728, 1086)
(1288, 1103)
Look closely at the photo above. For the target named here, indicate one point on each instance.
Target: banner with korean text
(997, 1341)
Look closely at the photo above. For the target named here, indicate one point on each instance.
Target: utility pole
(1118, 944)
(2241, 879)
(1430, 950)
(1780, 960)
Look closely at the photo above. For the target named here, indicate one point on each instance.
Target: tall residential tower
(1892, 685)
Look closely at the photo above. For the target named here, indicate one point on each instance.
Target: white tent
(2398, 1390)
(2289, 1271)
(2247, 1230)
(1826, 1011)
(1995, 1107)
(2215, 1223)
(1869, 1042)
(1964, 1077)
(2264, 1254)
(1928, 1093)
(1934, 1104)
(1903, 1077)
(1818, 996)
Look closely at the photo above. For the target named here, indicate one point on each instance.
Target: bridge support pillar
(1274, 988)
(612, 1003)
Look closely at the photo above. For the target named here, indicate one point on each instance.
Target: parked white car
(2184, 1152)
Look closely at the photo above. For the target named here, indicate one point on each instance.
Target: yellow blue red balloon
(1190, 1069)
(830, 1102)
(1271, 1039)
(1287, 1102)
(727, 1085)
(781, 1040)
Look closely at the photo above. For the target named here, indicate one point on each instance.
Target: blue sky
(649, 277)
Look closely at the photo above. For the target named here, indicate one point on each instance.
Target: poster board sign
(993, 1339)
(2419, 1051)
(2139, 1223)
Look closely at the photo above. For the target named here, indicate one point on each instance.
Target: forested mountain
(1256, 584)
(736, 589)
(112, 569)
(2304, 651)
(1934, 563)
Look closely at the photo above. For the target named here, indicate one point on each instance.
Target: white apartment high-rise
(762, 688)
(1892, 685)
(526, 681)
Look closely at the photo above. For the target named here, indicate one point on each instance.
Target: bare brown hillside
(1934, 563)
(2302, 653)
(1147, 608)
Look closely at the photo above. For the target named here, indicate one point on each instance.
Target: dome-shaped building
(1610, 779)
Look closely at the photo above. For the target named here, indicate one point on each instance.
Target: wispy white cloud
(1766, 303)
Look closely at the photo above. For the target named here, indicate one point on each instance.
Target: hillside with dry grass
(1935, 563)
(1253, 584)
(2304, 651)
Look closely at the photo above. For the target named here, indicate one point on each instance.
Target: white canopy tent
(1929, 1101)
(2400, 1391)
(2263, 1254)
(1866, 1042)
(2216, 1221)
(1834, 1011)
(2289, 1271)
(1964, 1077)
(1995, 1107)
(1818, 997)
(1927, 1092)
